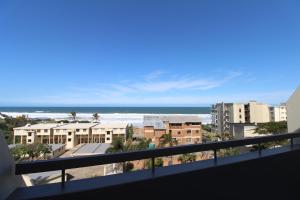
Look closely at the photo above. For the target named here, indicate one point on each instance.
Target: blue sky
(148, 53)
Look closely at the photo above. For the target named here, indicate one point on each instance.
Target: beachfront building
(37, 133)
(224, 114)
(105, 133)
(73, 134)
(184, 129)
(278, 113)
(70, 134)
(257, 112)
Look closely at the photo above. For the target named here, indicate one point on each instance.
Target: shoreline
(135, 118)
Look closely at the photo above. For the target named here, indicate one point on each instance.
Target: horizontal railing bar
(76, 162)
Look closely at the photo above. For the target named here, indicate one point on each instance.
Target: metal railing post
(153, 165)
(215, 156)
(63, 174)
(259, 149)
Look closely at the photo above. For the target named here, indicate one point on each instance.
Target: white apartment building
(73, 134)
(36, 133)
(70, 134)
(224, 114)
(278, 113)
(104, 133)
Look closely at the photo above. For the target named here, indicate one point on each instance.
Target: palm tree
(73, 115)
(117, 146)
(96, 116)
(167, 140)
(186, 158)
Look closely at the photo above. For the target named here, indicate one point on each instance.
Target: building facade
(37, 133)
(224, 114)
(105, 133)
(69, 134)
(278, 113)
(293, 111)
(184, 129)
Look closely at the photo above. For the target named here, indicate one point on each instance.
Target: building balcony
(242, 172)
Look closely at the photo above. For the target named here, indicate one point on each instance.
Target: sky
(148, 52)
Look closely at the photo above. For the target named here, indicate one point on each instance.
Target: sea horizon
(108, 109)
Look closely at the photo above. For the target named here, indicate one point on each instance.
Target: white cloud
(184, 83)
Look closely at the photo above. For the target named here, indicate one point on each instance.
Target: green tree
(206, 127)
(167, 140)
(73, 115)
(186, 158)
(228, 152)
(158, 163)
(118, 146)
(271, 128)
(18, 152)
(129, 132)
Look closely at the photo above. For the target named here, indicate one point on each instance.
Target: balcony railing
(76, 162)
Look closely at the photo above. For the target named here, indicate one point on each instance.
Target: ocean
(107, 114)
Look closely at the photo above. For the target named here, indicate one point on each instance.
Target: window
(77, 130)
(70, 133)
(170, 131)
(240, 116)
(69, 139)
(240, 110)
(45, 130)
(197, 131)
(178, 132)
(38, 130)
(108, 132)
(29, 140)
(188, 140)
(84, 130)
(188, 131)
(29, 134)
(108, 138)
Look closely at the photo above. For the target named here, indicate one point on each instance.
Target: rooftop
(38, 126)
(157, 121)
(111, 125)
(76, 126)
(91, 149)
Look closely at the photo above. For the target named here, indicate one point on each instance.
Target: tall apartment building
(278, 113)
(184, 129)
(224, 114)
(69, 134)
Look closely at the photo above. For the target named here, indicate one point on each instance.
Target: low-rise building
(73, 134)
(70, 134)
(243, 130)
(37, 133)
(105, 133)
(184, 129)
